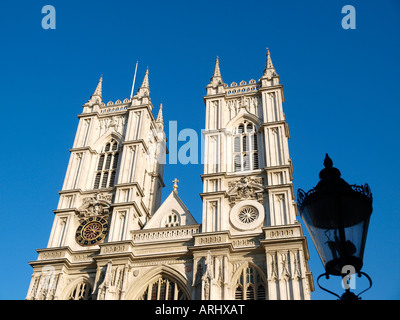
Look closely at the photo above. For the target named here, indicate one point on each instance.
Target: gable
(171, 213)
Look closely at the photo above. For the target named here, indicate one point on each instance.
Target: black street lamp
(337, 215)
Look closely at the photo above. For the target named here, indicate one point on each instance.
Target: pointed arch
(245, 148)
(160, 283)
(107, 162)
(240, 117)
(79, 289)
(249, 283)
(100, 143)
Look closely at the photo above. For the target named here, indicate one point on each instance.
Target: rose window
(248, 214)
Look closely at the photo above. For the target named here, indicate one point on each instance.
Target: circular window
(248, 214)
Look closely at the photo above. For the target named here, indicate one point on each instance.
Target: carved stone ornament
(244, 189)
(97, 205)
(115, 123)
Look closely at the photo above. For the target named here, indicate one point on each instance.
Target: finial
(144, 90)
(269, 64)
(216, 79)
(328, 163)
(145, 83)
(329, 172)
(217, 72)
(160, 115)
(98, 91)
(269, 71)
(175, 186)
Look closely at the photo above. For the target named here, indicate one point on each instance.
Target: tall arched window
(245, 147)
(107, 166)
(250, 285)
(163, 288)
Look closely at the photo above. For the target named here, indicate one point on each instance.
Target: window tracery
(107, 166)
(250, 285)
(245, 147)
(82, 291)
(163, 288)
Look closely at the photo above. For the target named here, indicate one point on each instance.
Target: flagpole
(134, 78)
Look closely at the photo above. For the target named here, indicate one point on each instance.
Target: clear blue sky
(341, 89)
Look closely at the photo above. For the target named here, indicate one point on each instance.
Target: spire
(160, 115)
(145, 83)
(216, 78)
(98, 90)
(96, 97)
(269, 71)
(144, 90)
(217, 72)
(269, 64)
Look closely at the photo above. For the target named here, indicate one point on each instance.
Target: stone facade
(112, 238)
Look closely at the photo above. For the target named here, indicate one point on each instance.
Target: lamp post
(337, 215)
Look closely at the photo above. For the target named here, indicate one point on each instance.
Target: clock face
(91, 231)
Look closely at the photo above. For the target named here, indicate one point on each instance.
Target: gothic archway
(80, 289)
(161, 283)
(249, 283)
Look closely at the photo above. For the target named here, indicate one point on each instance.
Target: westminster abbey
(113, 238)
